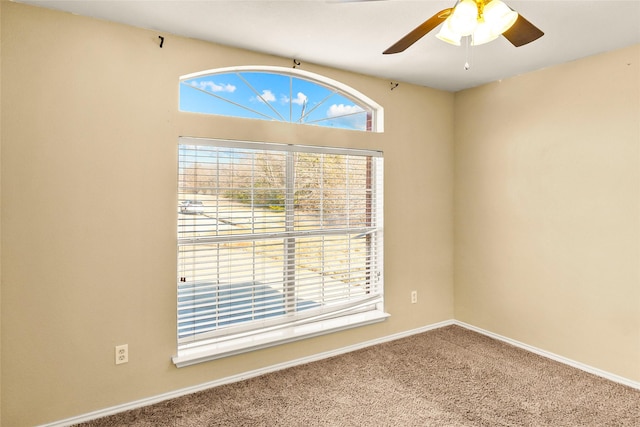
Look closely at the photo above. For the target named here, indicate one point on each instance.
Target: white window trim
(199, 354)
(378, 110)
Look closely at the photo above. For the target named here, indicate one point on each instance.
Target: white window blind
(271, 236)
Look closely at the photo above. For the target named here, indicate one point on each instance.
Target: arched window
(280, 94)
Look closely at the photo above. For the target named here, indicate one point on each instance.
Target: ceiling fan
(479, 21)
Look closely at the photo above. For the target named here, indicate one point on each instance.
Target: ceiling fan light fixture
(446, 35)
(464, 18)
(499, 16)
(483, 34)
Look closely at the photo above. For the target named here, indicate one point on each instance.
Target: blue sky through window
(272, 96)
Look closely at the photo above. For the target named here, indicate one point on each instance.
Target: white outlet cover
(122, 354)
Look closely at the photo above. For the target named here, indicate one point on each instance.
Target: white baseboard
(273, 368)
(239, 377)
(552, 356)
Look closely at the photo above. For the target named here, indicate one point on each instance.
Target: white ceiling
(351, 35)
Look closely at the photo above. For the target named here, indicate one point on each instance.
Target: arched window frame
(375, 120)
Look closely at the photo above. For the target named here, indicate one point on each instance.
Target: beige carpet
(446, 377)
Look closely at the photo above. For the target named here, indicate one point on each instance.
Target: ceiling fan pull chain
(467, 43)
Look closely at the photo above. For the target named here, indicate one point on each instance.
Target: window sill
(205, 353)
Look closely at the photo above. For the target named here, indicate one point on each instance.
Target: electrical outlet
(122, 354)
(414, 297)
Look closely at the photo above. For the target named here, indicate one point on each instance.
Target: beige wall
(547, 210)
(89, 141)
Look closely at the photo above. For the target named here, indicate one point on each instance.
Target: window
(275, 243)
(279, 94)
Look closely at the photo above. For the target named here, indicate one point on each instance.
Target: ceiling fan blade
(522, 32)
(419, 32)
